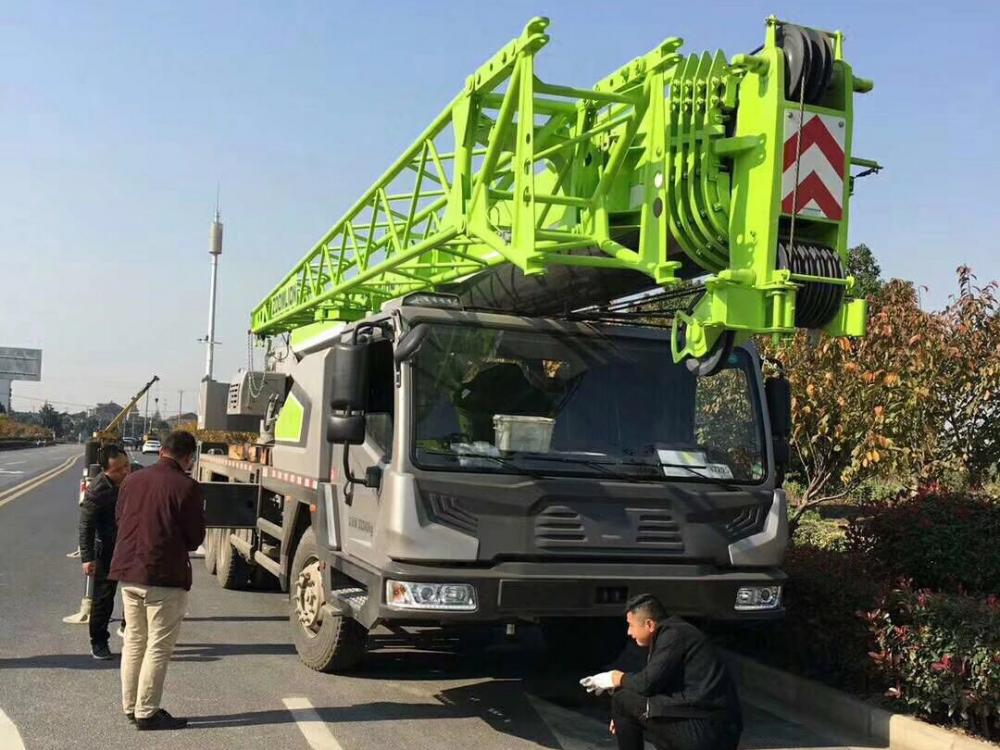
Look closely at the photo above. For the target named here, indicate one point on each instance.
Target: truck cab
(439, 465)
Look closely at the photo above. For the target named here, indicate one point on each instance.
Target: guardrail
(9, 444)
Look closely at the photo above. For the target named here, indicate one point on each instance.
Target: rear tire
(232, 570)
(336, 643)
(212, 551)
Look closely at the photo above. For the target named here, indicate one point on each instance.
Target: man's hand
(89, 568)
(616, 678)
(598, 683)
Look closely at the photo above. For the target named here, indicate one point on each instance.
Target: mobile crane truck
(470, 413)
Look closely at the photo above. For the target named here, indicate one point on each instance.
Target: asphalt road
(23, 464)
(237, 677)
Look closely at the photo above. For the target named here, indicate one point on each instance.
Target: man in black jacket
(97, 542)
(684, 698)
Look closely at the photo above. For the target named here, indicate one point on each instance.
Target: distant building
(104, 413)
(182, 419)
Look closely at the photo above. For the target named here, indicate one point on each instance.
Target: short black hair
(180, 444)
(648, 606)
(108, 453)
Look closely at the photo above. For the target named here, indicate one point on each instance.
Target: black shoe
(160, 720)
(101, 651)
(131, 717)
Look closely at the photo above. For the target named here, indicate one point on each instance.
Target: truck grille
(448, 511)
(558, 525)
(747, 520)
(659, 529)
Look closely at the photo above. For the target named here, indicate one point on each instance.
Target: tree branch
(813, 503)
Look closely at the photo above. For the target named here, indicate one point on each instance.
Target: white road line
(10, 738)
(313, 728)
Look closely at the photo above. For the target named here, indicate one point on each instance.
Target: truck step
(271, 566)
(270, 528)
(352, 598)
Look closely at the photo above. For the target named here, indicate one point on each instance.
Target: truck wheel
(212, 551)
(232, 570)
(325, 642)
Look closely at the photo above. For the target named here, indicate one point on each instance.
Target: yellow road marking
(25, 487)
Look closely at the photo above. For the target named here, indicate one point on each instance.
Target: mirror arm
(348, 476)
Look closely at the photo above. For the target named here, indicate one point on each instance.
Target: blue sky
(118, 119)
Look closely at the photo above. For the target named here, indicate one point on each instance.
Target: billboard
(20, 364)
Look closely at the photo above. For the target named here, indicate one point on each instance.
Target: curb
(815, 701)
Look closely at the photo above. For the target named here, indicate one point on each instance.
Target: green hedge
(939, 654)
(947, 542)
(934, 650)
(822, 635)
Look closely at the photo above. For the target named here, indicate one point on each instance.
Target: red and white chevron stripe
(821, 166)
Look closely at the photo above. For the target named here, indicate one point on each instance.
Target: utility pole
(180, 402)
(215, 250)
(145, 430)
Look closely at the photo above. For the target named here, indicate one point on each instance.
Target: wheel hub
(309, 596)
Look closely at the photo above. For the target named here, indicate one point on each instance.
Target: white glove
(598, 684)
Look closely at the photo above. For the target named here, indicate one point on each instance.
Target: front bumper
(514, 590)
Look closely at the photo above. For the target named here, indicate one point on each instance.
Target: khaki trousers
(153, 617)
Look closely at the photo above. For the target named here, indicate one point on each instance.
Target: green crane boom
(674, 166)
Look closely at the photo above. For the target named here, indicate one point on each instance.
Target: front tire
(325, 642)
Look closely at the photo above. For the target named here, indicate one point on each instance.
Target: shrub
(19, 431)
(939, 540)
(940, 655)
(821, 635)
(815, 531)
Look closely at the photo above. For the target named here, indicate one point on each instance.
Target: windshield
(505, 401)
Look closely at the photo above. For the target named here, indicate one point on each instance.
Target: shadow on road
(239, 618)
(514, 686)
(195, 652)
(501, 705)
(59, 661)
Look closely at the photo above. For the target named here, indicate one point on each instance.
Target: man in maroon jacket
(160, 519)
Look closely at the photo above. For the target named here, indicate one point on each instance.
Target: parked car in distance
(151, 446)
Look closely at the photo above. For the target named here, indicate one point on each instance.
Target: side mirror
(348, 393)
(410, 343)
(349, 389)
(778, 394)
(346, 429)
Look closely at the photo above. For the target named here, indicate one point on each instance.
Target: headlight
(751, 598)
(459, 597)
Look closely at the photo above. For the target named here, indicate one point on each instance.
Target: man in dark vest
(97, 541)
(682, 699)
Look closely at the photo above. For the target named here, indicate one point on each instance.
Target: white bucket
(514, 432)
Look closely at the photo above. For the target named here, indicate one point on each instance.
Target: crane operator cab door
(361, 430)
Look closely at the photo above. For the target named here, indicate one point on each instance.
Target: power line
(54, 401)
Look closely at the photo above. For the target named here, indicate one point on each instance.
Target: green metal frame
(516, 170)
